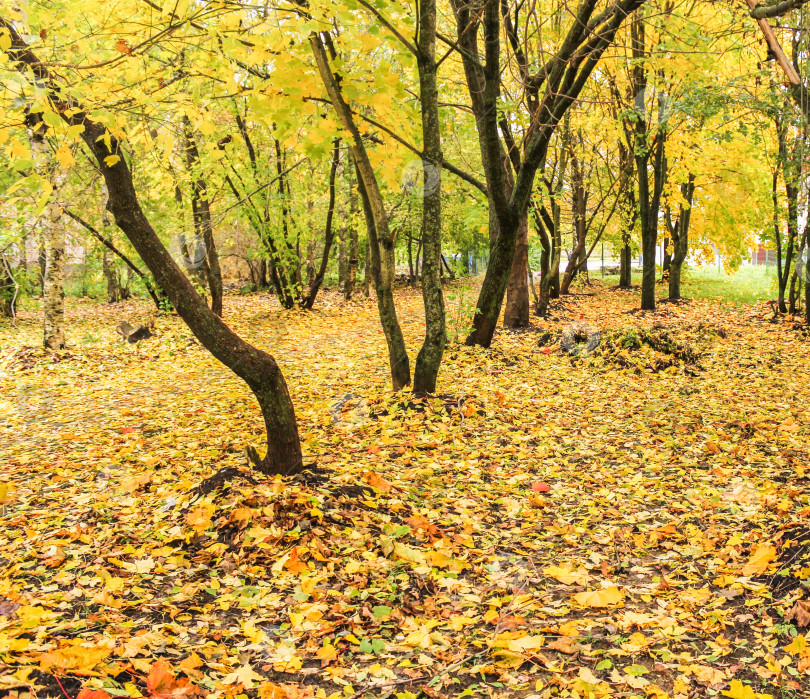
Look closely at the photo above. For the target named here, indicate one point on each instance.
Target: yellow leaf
(114, 584)
(738, 690)
(566, 575)
(439, 559)
(245, 676)
(326, 653)
(64, 156)
(799, 645)
(605, 597)
(6, 492)
(199, 519)
(111, 160)
(517, 641)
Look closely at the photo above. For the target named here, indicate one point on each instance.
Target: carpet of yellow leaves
(544, 527)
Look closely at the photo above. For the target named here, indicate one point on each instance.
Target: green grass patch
(748, 285)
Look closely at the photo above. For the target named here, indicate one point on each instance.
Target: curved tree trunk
(257, 368)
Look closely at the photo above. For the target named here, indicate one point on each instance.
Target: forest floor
(630, 524)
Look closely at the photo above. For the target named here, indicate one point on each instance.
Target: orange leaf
(122, 47)
(760, 559)
(377, 482)
(294, 564)
(162, 684)
(92, 694)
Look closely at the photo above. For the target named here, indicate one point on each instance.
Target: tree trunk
(429, 358)
(201, 212)
(8, 288)
(626, 265)
(257, 368)
(579, 206)
(381, 239)
(516, 312)
(53, 301)
(648, 198)
(807, 289)
(793, 293)
(367, 268)
(381, 271)
(411, 274)
(53, 234)
(115, 292)
(346, 223)
(353, 244)
(680, 239)
(328, 234)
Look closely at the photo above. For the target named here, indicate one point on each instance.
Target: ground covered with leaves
(630, 522)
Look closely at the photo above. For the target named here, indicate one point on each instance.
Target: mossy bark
(429, 358)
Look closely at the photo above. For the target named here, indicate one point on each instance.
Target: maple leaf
(75, 658)
(738, 690)
(199, 519)
(122, 47)
(377, 482)
(245, 676)
(604, 597)
(760, 559)
(161, 683)
(93, 694)
(294, 564)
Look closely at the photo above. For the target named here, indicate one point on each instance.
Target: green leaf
(636, 670)
(380, 611)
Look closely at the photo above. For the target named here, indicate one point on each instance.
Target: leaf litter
(548, 526)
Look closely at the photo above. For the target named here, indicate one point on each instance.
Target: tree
(560, 79)
(257, 368)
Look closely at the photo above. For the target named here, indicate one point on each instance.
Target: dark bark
(785, 249)
(8, 288)
(648, 146)
(328, 234)
(429, 358)
(561, 78)
(201, 213)
(679, 231)
(550, 224)
(257, 368)
(516, 311)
